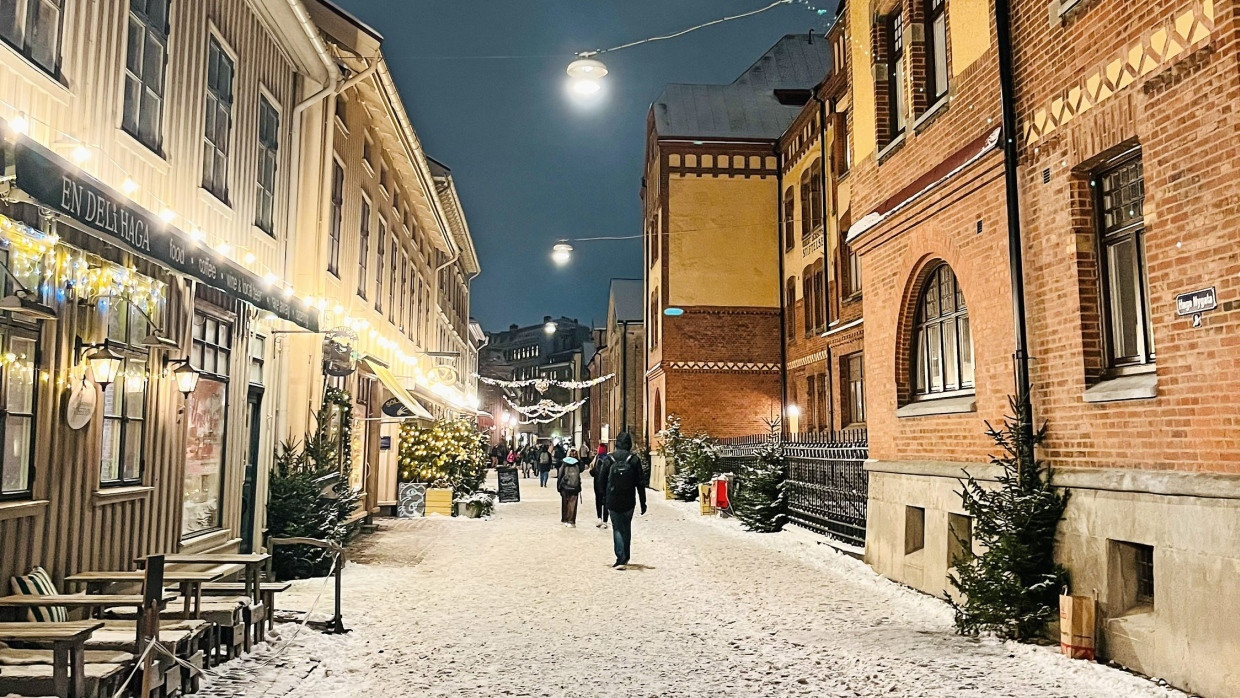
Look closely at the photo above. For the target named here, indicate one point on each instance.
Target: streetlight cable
(751, 13)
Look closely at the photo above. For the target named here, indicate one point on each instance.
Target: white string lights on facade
(79, 152)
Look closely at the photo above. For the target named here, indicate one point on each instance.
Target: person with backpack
(544, 465)
(625, 485)
(600, 486)
(568, 482)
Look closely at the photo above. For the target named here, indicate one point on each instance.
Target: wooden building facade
(146, 210)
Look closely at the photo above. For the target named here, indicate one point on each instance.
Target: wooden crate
(439, 501)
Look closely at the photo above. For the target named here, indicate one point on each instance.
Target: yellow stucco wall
(970, 32)
(723, 241)
(864, 137)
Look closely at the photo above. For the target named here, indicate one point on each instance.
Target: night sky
(484, 84)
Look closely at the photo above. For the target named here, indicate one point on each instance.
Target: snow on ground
(518, 605)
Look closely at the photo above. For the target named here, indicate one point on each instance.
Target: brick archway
(909, 300)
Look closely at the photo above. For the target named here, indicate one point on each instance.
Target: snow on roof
(747, 108)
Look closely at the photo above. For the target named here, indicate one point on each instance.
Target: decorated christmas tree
(759, 500)
(449, 453)
(1011, 589)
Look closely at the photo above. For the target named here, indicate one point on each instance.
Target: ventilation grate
(979, 226)
(1046, 176)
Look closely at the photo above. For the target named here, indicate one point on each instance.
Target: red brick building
(1130, 200)
(711, 200)
(1128, 215)
(822, 280)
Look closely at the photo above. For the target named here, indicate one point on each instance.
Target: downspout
(1007, 88)
(780, 213)
(822, 194)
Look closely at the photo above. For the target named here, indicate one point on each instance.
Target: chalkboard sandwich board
(509, 485)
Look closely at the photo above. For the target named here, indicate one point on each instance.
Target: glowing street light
(549, 328)
(562, 252)
(586, 75)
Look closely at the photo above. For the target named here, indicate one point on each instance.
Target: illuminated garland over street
(547, 408)
(542, 385)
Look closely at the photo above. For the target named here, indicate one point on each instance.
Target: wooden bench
(67, 674)
(267, 589)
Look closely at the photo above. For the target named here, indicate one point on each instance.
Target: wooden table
(190, 582)
(253, 565)
(90, 602)
(68, 641)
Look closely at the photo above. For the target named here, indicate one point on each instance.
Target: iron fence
(826, 484)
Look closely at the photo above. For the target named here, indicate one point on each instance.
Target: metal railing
(827, 484)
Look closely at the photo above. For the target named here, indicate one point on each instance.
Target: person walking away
(512, 459)
(624, 484)
(557, 456)
(527, 461)
(600, 487)
(544, 465)
(568, 482)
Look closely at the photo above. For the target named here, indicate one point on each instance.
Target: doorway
(249, 488)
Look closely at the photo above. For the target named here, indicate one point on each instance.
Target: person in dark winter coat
(544, 465)
(625, 486)
(600, 487)
(568, 482)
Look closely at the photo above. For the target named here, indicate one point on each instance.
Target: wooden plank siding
(82, 527)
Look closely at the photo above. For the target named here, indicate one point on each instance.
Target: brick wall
(723, 403)
(1181, 115)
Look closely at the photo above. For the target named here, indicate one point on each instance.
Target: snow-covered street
(518, 605)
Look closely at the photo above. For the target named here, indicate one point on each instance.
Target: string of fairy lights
(74, 269)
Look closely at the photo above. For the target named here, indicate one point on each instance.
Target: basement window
(1132, 576)
(914, 529)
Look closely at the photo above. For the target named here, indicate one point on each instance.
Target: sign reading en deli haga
(68, 190)
(1196, 302)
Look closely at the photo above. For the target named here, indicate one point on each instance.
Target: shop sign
(393, 407)
(80, 406)
(66, 189)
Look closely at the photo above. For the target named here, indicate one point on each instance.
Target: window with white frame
(936, 50)
(942, 340)
(391, 300)
(268, 152)
(363, 251)
(258, 359)
(854, 370)
(34, 28)
(333, 230)
(217, 128)
(895, 74)
(145, 64)
(380, 250)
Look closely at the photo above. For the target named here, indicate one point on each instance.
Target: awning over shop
(110, 215)
(402, 403)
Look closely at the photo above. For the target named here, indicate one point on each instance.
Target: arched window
(654, 320)
(942, 341)
(658, 411)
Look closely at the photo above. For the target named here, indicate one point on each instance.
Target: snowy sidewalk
(520, 606)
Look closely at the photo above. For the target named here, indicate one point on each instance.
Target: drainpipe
(1007, 87)
(624, 374)
(780, 214)
(822, 194)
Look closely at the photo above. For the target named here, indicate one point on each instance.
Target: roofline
(807, 35)
(352, 19)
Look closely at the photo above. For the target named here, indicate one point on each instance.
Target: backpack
(544, 458)
(512, 457)
(570, 480)
(623, 470)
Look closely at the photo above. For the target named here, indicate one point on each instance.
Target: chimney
(514, 327)
(546, 319)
